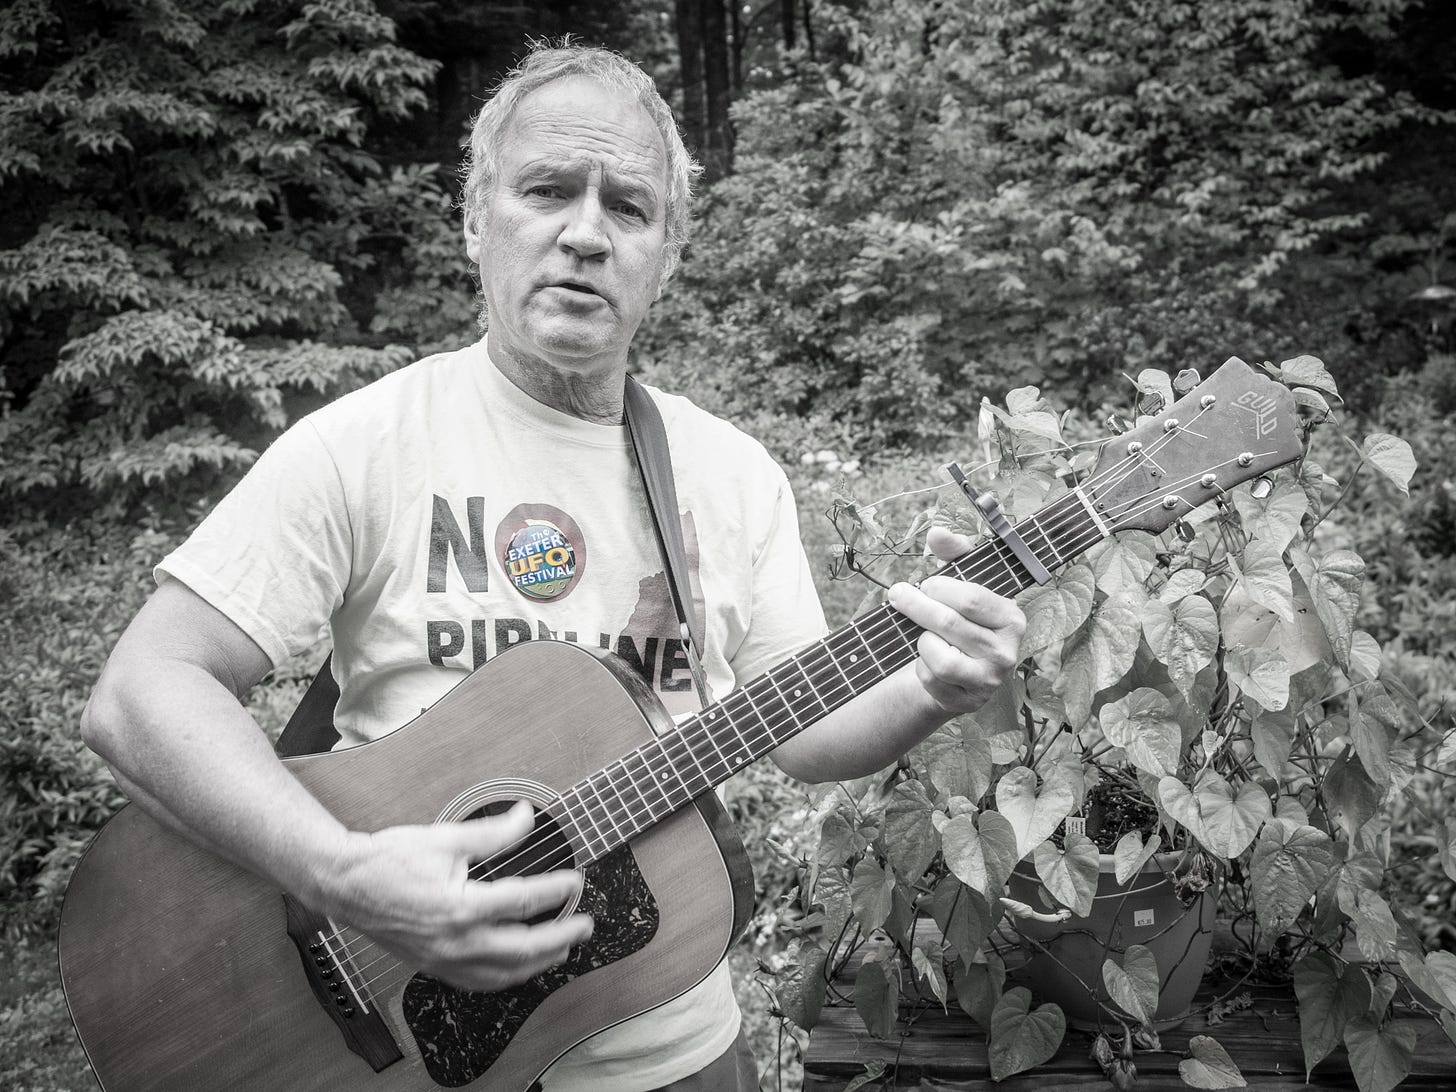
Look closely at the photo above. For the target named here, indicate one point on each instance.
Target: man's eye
(544, 191)
(628, 209)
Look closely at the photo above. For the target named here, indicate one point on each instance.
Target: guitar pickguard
(461, 1033)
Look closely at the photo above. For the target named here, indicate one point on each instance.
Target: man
(372, 517)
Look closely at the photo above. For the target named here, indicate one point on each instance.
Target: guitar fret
(788, 706)
(581, 830)
(713, 741)
(637, 785)
(607, 808)
(1032, 520)
(767, 726)
(810, 684)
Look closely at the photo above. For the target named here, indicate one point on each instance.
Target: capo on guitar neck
(990, 509)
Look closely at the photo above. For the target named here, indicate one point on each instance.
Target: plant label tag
(1075, 824)
(1143, 917)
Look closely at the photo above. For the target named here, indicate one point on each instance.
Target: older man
(404, 516)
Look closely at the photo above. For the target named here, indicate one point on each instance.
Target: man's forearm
(190, 755)
(865, 734)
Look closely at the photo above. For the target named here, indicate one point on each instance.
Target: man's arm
(167, 717)
(968, 649)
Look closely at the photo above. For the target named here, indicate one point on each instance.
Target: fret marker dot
(854, 658)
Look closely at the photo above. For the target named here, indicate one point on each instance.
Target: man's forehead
(577, 123)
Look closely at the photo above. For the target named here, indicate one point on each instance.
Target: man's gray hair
(546, 64)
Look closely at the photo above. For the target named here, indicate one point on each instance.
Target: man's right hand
(409, 889)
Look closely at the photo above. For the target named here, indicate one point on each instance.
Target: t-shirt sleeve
(275, 555)
(786, 613)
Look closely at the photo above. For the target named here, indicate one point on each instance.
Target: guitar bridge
(336, 985)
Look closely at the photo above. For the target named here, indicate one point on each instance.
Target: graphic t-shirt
(440, 515)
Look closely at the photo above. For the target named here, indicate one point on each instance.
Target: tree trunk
(690, 61)
(786, 21)
(718, 158)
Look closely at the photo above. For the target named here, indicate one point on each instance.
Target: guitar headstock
(1234, 426)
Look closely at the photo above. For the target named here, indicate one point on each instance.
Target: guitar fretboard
(655, 780)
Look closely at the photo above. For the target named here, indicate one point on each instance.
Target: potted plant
(1195, 692)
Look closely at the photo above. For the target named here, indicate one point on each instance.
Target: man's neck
(594, 395)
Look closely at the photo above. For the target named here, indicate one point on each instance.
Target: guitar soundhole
(545, 849)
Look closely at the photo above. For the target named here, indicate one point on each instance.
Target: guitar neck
(649, 783)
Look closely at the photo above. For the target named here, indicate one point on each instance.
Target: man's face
(571, 252)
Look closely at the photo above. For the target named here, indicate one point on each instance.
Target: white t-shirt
(441, 514)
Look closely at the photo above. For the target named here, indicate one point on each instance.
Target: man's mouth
(577, 286)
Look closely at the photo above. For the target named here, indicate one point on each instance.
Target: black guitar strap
(654, 461)
(311, 727)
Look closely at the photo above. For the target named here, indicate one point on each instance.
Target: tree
(197, 242)
(970, 195)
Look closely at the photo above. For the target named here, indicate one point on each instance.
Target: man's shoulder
(707, 433)
(414, 389)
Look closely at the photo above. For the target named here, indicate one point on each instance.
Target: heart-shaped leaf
(1260, 673)
(1308, 371)
(1055, 610)
(1291, 862)
(963, 915)
(978, 989)
(1330, 996)
(1033, 813)
(1209, 1066)
(1122, 565)
(1143, 724)
(929, 964)
(1223, 819)
(1131, 854)
(1021, 1038)
(910, 840)
(1097, 655)
(1183, 635)
(1380, 1057)
(1134, 984)
(870, 893)
(1275, 519)
(801, 989)
(877, 997)
(981, 851)
(1391, 456)
(1265, 578)
(1070, 874)
(1334, 582)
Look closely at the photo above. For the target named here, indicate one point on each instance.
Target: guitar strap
(654, 462)
(311, 727)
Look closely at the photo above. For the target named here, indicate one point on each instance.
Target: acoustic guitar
(185, 972)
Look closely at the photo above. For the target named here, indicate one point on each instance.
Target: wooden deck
(938, 1051)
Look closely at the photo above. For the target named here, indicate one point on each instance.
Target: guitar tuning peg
(1150, 403)
(1184, 530)
(1117, 425)
(1186, 380)
(1261, 487)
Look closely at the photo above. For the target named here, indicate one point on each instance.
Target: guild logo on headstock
(1264, 409)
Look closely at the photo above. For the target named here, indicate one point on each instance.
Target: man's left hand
(971, 636)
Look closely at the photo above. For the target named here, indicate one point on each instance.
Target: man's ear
(472, 241)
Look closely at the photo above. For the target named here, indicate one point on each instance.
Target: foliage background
(219, 215)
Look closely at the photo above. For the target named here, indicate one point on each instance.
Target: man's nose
(585, 232)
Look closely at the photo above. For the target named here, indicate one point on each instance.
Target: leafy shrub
(70, 593)
(196, 238)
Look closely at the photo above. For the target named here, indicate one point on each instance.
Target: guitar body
(180, 973)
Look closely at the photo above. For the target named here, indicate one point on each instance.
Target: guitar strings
(892, 621)
(493, 866)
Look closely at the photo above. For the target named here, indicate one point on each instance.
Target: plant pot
(1064, 959)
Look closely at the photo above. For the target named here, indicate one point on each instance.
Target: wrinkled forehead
(580, 124)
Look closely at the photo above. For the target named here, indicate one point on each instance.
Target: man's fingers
(521, 898)
(946, 544)
(478, 839)
(945, 605)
